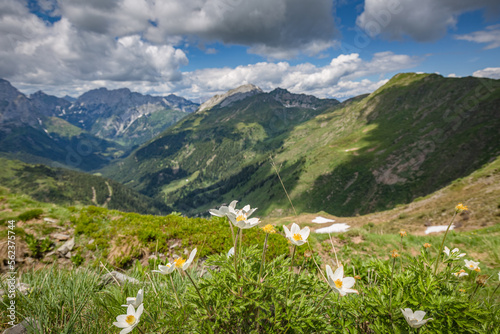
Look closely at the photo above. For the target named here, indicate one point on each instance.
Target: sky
(198, 48)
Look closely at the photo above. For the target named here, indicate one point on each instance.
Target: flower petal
(338, 274)
(348, 282)
(329, 272)
(120, 324)
(140, 297)
(287, 231)
(295, 229)
(138, 313)
(419, 315)
(350, 290)
(305, 233)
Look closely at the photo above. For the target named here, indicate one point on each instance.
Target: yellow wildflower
(394, 253)
(402, 233)
(427, 245)
(269, 229)
(460, 207)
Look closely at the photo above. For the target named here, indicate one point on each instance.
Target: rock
(49, 254)
(68, 255)
(175, 245)
(29, 260)
(50, 220)
(67, 246)
(28, 325)
(116, 276)
(60, 236)
(91, 241)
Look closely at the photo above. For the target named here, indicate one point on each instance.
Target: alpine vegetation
(252, 289)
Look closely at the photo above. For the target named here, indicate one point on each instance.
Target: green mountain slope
(67, 187)
(213, 144)
(412, 136)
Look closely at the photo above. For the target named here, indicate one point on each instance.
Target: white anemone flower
(130, 320)
(164, 270)
(224, 210)
(455, 252)
(135, 301)
(296, 235)
(415, 320)
(340, 283)
(240, 218)
(230, 253)
(472, 265)
(461, 273)
(183, 264)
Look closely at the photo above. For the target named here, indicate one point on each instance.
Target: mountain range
(85, 133)
(414, 135)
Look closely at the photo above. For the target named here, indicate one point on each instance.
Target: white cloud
(423, 20)
(337, 79)
(490, 36)
(341, 78)
(489, 72)
(273, 28)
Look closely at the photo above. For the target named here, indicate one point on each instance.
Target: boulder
(67, 246)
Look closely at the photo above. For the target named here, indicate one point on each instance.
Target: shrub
(30, 214)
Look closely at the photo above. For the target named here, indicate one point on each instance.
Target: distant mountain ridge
(230, 97)
(111, 114)
(87, 133)
(412, 136)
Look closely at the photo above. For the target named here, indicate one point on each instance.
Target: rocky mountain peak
(231, 96)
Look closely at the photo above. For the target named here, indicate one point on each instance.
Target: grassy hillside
(414, 135)
(70, 295)
(62, 186)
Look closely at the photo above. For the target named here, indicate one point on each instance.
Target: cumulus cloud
(274, 28)
(59, 53)
(337, 79)
(489, 72)
(424, 20)
(490, 36)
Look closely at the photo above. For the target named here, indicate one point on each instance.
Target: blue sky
(199, 48)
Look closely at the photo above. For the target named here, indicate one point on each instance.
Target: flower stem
(232, 229)
(442, 243)
(199, 294)
(175, 291)
(263, 258)
(234, 256)
(290, 275)
(326, 294)
(390, 291)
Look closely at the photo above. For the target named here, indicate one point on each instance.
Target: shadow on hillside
(427, 134)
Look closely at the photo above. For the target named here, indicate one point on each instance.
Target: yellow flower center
(338, 283)
(471, 266)
(297, 237)
(179, 262)
(477, 269)
(461, 271)
(130, 319)
(240, 218)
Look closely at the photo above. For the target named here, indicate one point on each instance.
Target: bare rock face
(67, 247)
(231, 96)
